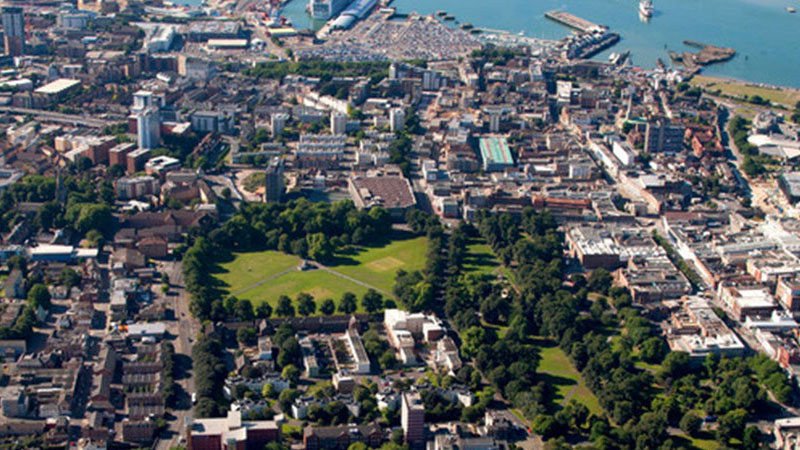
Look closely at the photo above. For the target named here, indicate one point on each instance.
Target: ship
(646, 8)
(790, 10)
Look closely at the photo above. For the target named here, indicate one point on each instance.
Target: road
(185, 329)
(50, 116)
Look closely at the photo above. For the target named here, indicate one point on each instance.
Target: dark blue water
(766, 37)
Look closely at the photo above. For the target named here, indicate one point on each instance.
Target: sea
(765, 36)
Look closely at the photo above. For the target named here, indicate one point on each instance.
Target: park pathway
(264, 281)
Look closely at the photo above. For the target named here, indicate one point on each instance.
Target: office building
(273, 181)
(412, 418)
(14, 31)
(338, 123)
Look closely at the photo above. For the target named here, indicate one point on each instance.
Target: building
(59, 89)
(14, 402)
(278, 123)
(787, 433)
(697, 330)
(148, 128)
(495, 154)
(743, 301)
(594, 247)
(403, 327)
(342, 437)
(136, 187)
(787, 292)
(229, 433)
(412, 419)
(135, 160)
(160, 165)
(118, 155)
(212, 122)
(388, 189)
(663, 137)
(14, 31)
(361, 363)
(338, 123)
(397, 119)
(789, 184)
(273, 181)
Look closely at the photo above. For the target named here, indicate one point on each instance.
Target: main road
(185, 328)
(51, 116)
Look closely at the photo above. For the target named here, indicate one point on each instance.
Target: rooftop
(57, 86)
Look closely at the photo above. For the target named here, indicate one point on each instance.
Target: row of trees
(210, 373)
(417, 289)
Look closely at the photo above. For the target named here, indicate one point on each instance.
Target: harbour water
(766, 37)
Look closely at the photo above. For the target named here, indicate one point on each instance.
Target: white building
(278, 123)
(148, 128)
(338, 123)
(397, 119)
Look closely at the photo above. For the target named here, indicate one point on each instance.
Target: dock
(572, 21)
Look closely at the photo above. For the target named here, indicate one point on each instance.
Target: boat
(466, 26)
(646, 8)
(441, 13)
(521, 33)
(790, 10)
(612, 57)
(449, 17)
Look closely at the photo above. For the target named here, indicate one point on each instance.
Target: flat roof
(227, 43)
(495, 150)
(57, 86)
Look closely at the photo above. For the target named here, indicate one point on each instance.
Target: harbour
(572, 21)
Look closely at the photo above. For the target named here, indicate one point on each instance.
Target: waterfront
(766, 37)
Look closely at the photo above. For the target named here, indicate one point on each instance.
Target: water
(760, 30)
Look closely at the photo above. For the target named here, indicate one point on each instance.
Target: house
(14, 285)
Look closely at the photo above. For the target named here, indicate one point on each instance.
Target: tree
(327, 307)
(244, 310)
(675, 365)
(348, 304)
(38, 296)
(731, 425)
(358, 446)
(600, 281)
(545, 426)
(246, 336)
(268, 391)
(319, 247)
(372, 301)
(473, 340)
(690, 424)
(752, 438)
(653, 350)
(263, 310)
(69, 278)
(291, 373)
(305, 304)
(285, 307)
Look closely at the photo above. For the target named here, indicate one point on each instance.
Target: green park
(264, 276)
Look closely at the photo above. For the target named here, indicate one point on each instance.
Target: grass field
(788, 97)
(556, 369)
(480, 259)
(247, 275)
(377, 265)
(248, 268)
(318, 283)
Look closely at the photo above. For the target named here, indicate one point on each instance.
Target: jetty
(708, 54)
(573, 21)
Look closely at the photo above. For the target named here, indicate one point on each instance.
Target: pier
(573, 21)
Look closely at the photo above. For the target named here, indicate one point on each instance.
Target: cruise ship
(646, 8)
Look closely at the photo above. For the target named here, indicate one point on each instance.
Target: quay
(573, 21)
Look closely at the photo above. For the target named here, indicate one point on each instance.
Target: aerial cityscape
(401, 225)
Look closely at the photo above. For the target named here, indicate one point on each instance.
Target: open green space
(319, 283)
(785, 96)
(246, 269)
(480, 259)
(377, 264)
(556, 369)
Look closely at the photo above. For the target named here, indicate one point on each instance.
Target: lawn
(788, 97)
(480, 259)
(556, 369)
(377, 265)
(247, 269)
(318, 283)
